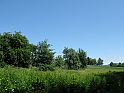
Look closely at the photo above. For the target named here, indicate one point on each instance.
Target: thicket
(32, 81)
(16, 50)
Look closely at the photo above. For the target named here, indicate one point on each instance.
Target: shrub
(45, 67)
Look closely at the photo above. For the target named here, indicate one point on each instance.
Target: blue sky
(97, 26)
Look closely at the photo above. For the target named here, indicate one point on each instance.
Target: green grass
(22, 80)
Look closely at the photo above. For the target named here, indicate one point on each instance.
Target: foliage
(100, 61)
(43, 54)
(111, 64)
(75, 59)
(116, 64)
(46, 67)
(14, 49)
(91, 61)
(93, 80)
(71, 58)
(59, 61)
(83, 58)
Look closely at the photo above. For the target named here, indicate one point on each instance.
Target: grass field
(94, 79)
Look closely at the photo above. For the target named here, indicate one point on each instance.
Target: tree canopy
(16, 50)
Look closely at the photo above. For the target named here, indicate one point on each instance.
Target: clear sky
(97, 26)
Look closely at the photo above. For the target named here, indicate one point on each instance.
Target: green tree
(13, 49)
(100, 61)
(20, 46)
(43, 53)
(71, 58)
(122, 64)
(119, 64)
(83, 58)
(91, 61)
(111, 64)
(59, 61)
(88, 61)
(32, 48)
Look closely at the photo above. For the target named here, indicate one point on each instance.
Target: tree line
(16, 50)
(116, 64)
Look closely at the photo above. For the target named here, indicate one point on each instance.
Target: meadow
(93, 79)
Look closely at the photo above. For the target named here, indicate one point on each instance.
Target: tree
(83, 58)
(22, 52)
(43, 53)
(59, 61)
(32, 49)
(117, 64)
(111, 64)
(91, 61)
(13, 49)
(71, 58)
(100, 61)
(122, 64)
(88, 61)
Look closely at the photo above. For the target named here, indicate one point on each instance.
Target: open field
(94, 79)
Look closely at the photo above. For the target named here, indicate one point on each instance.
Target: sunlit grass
(22, 78)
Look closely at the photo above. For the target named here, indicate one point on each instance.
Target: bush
(14, 80)
(45, 67)
(2, 64)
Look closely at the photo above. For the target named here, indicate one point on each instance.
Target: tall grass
(90, 80)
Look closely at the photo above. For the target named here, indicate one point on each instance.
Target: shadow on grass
(112, 82)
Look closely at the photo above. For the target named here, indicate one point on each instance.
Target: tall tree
(83, 58)
(59, 61)
(91, 61)
(43, 53)
(100, 61)
(13, 48)
(71, 58)
(111, 64)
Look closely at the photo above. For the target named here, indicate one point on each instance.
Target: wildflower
(12, 90)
